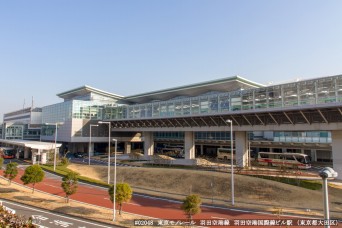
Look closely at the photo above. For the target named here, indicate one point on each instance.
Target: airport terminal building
(303, 117)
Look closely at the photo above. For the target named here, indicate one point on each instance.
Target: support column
(336, 137)
(74, 148)
(43, 156)
(26, 152)
(313, 155)
(34, 156)
(189, 145)
(91, 149)
(128, 147)
(202, 152)
(148, 143)
(241, 148)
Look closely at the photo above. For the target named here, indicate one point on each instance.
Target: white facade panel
(36, 118)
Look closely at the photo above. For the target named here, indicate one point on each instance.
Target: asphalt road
(44, 218)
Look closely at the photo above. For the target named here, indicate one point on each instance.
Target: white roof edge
(198, 84)
(32, 144)
(90, 89)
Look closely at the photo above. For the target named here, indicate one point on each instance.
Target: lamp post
(231, 159)
(56, 131)
(91, 125)
(109, 127)
(114, 188)
(326, 173)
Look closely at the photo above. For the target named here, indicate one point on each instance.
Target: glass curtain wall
(310, 92)
(303, 136)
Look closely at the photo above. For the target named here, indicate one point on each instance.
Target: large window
(163, 109)
(148, 110)
(186, 107)
(170, 108)
(213, 104)
(224, 102)
(156, 109)
(326, 90)
(274, 97)
(195, 109)
(290, 94)
(204, 104)
(247, 99)
(178, 108)
(260, 98)
(142, 111)
(235, 100)
(307, 92)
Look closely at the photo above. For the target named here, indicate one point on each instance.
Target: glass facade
(14, 132)
(77, 109)
(202, 136)
(303, 136)
(310, 92)
(57, 112)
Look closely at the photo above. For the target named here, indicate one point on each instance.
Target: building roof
(31, 144)
(221, 85)
(84, 90)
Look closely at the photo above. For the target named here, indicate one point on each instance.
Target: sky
(128, 47)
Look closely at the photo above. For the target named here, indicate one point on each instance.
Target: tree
(191, 205)
(123, 194)
(70, 184)
(1, 162)
(11, 171)
(33, 174)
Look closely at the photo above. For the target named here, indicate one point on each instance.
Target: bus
(291, 160)
(7, 152)
(225, 154)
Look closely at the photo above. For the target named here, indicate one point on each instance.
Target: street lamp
(114, 187)
(231, 159)
(54, 157)
(109, 127)
(91, 125)
(326, 173)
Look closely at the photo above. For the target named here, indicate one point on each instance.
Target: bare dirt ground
(250, 192)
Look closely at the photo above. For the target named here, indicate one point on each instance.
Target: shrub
(64, 161)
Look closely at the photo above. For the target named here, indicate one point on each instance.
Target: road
(44, 218)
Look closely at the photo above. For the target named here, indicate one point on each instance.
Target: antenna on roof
(32, 103)
(24, 104)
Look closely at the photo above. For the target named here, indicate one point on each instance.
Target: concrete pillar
(91, 148)
(202, 152)
(313, 155)
(43, 156)
(148, 143)
(241, 147)
(34, 156)
(128, 147)
(26, 152)
(189, 145)
(284, 150)
(17, 154)
(336, 138)
(74, 148)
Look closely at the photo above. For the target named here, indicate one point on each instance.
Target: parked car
(79, 155)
